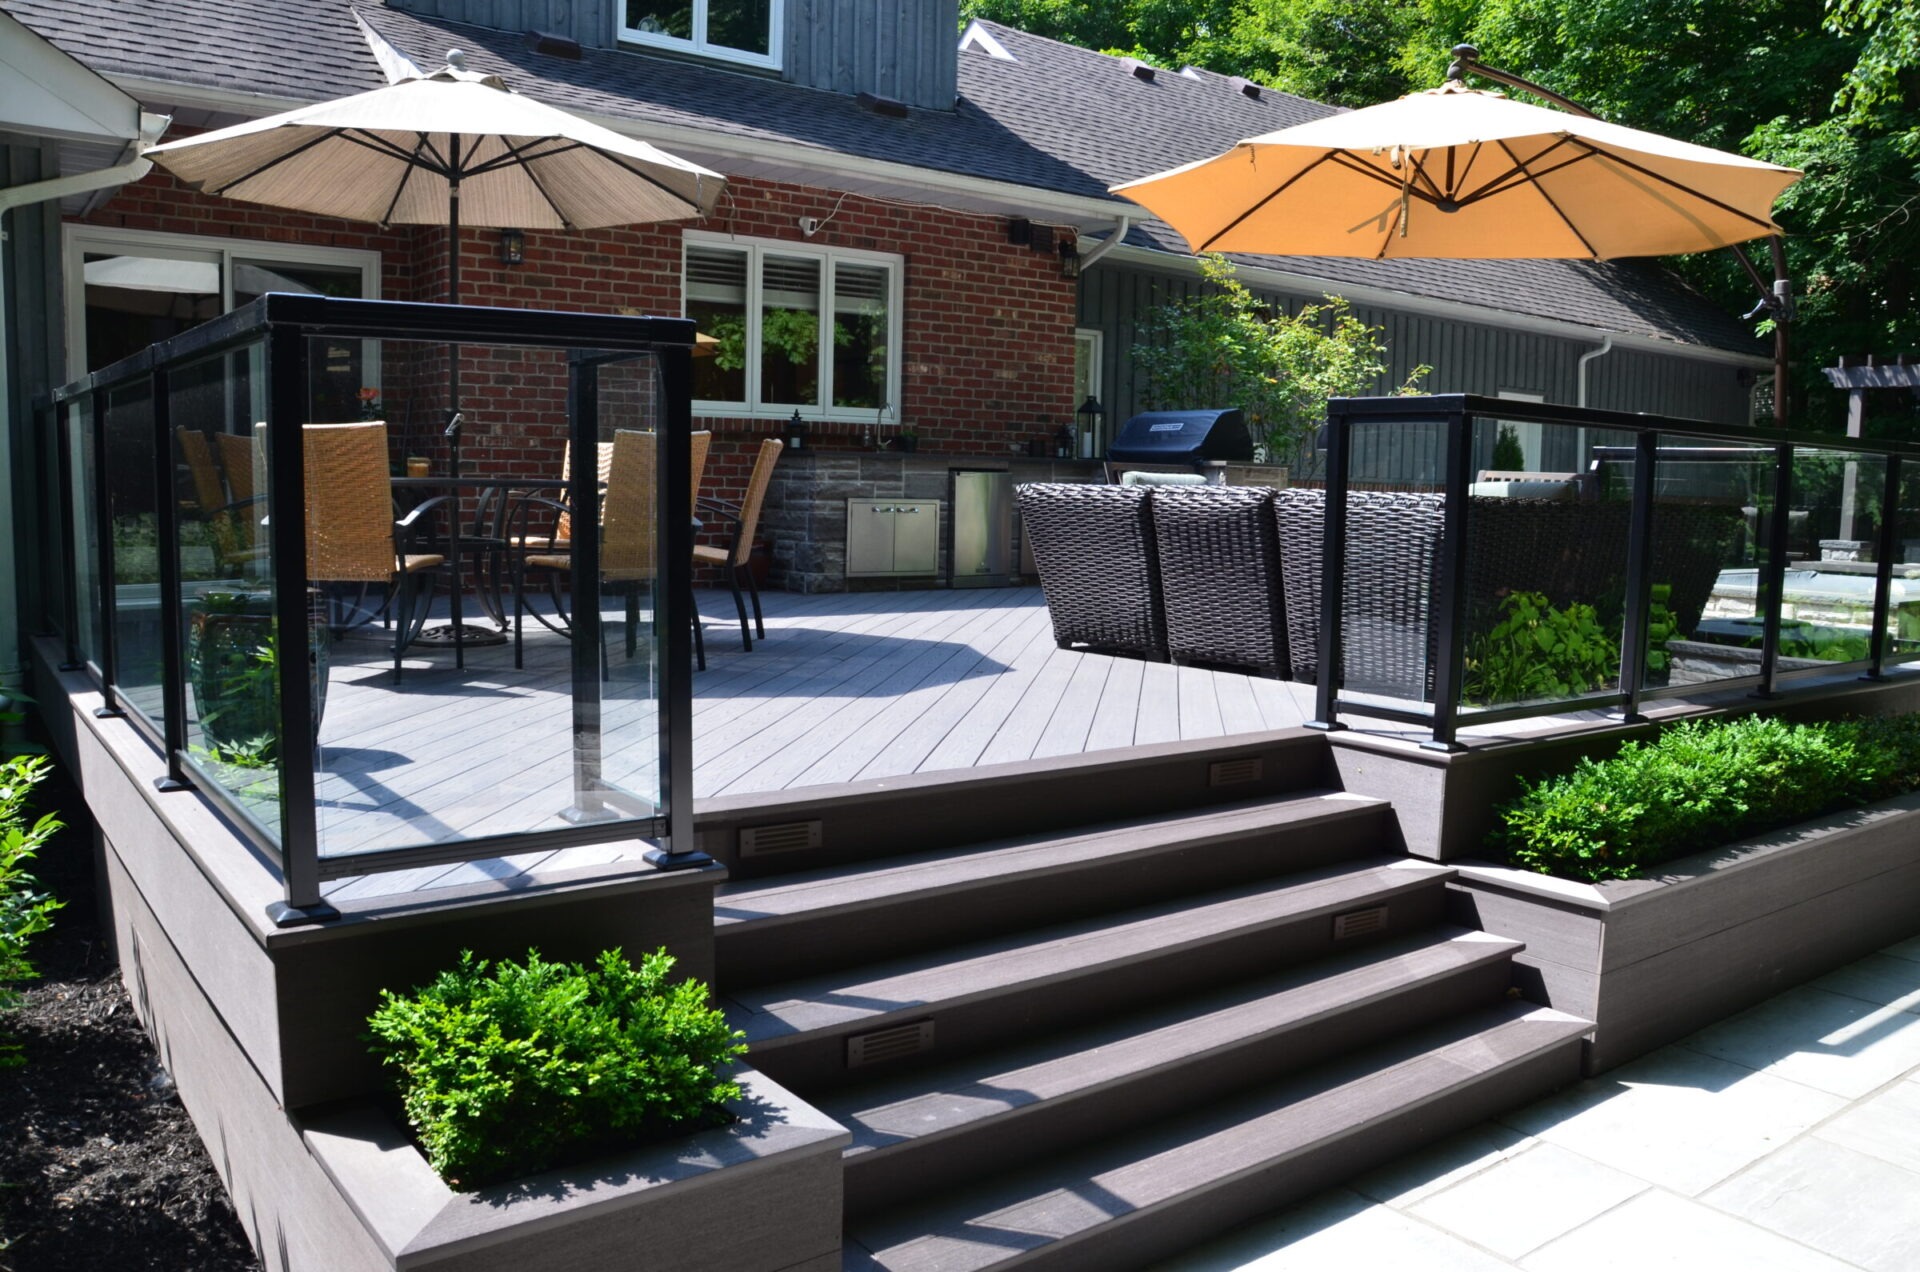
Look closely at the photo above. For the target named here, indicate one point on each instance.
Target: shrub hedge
(1702, 784)
(507, 1069)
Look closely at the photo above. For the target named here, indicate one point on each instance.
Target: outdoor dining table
(486, 534)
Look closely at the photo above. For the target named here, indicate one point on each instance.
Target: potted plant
(906, 440)
(233, 665)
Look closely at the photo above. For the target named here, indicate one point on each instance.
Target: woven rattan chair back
(349, 503)
(195, 452)
(563, 529)
(755, 497)
(627, 513)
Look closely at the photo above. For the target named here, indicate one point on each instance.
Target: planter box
(1652, 960)
(763, 1194)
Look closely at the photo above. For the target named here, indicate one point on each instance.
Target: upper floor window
(795, 328)
(730, 30)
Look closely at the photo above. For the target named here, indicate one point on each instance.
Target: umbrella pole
(453, 412)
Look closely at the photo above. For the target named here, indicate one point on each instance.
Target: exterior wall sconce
(513, 247)
(1069, 258)
(1089, 416)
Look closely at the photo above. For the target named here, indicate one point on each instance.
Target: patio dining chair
(629, 557)
(352, 536)
(743, 519)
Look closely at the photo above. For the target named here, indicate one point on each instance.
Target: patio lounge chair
(1094, 548)
(352, 536)
(1219, 560)
(744, 520)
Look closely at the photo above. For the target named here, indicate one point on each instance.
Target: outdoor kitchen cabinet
(892, 537)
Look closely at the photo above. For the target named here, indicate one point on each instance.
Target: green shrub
(507, 1069)
(1508, 455)
(1702, 784)
(1537, 651)
(24, 913)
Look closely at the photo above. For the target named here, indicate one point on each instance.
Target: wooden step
(933, 1129)
(781, 831)
(799, 924)
(1152, 1192)
(987, 992)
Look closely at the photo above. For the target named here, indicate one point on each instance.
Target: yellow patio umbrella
(1465, 173)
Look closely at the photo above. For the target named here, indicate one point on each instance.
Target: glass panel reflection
(133, 515)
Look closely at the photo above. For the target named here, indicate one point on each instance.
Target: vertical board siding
(36, 363)
(1464, 357)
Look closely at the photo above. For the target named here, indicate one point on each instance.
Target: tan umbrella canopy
(1465, 173)
(455, 147)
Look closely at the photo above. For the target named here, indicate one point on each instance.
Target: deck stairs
(1095, 1047)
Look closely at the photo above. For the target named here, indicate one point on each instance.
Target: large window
(794, 328)
(730, 30)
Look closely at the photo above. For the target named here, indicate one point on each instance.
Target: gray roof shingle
(1056, 118)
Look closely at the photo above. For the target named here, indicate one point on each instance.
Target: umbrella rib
(518, 154)
(276, 161)
(1552, 203)
(1593, 151)
(406, 175)
(1271, 195)
(650, 179)
(381, 146)
(1515, 177)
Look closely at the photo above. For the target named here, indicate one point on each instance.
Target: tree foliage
(1223, 347)
(1831, 87)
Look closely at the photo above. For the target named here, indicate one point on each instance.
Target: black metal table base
(442, 637)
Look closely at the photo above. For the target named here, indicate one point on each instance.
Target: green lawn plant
(24, 911)
(1702, 784)
(509, 1068)
(1536, 651)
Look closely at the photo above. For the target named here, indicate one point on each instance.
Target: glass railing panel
(134, 520)
(1546, 571)
(1903, 614)
(1713, 514)
(1826, 610)
(231, 647)
(507, 733)
(1393, 543)
(83, 509)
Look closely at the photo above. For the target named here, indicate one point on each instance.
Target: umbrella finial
(456, 59)
(1464, 56)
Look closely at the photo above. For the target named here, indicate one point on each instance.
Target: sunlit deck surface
(845, 687)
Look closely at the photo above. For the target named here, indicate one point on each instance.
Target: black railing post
(287, 396)
(583, 496)
(69, 541)
(166, 519)
(1880, 643)
(673, 614)
(110, 708)
(1633, 635)
(1450, 609)
(1333, 562)
(1772, 581)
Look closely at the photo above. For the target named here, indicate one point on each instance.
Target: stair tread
(853, 885)
(1065, 1196)
(862, 997)
(913, 1107)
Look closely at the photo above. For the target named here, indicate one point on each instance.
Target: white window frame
(80, 241)
(699, 45)
(756, 249)
(1094, 341)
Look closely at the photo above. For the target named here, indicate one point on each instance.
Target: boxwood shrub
(1702, 784)
(506, 1069)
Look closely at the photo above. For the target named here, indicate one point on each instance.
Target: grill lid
(1163, 437)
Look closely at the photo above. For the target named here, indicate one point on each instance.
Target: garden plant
(509, 1068)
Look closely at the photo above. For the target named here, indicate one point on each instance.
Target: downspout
(1606, 347)
(12, 670)
(1119, 235)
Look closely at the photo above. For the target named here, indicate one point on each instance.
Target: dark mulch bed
(101, 1167)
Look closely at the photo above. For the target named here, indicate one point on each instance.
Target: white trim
(53, 94)
(699, 45)
(978, 37)
(76, 241)
(756, 248)
(1454, 310)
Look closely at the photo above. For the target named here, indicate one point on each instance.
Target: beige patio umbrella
(1465, 173)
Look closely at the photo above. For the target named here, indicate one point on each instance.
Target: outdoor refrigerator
(982, 504)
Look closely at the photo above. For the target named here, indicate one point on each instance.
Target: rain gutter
(1092, 255)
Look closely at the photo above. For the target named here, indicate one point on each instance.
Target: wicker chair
(1393, 547)
(744, 518)
(1219, 559)
(1094, 548)
(352, 536)
(629, 556)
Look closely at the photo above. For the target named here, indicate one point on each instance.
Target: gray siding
(904, 49)
(34, 355)
(1465, 357)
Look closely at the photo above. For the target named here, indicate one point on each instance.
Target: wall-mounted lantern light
(513, 247)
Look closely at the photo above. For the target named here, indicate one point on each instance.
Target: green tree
(1223, 346)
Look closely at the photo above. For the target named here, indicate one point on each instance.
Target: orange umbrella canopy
(1464, 173)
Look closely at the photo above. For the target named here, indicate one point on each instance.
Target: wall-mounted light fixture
(513, 247)
(1069, 258)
